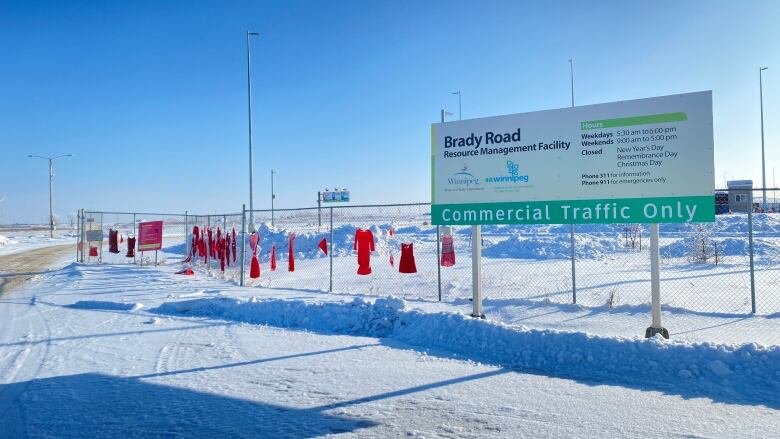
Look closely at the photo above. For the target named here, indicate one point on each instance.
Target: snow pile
(726, 247)
(703, 367)
(357, 317)
(552, 247)
(4, 240)
(105, 305)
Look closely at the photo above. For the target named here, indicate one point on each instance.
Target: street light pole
(51, 177)
(249, 100)
(273, 196)
(571, 74)
(571, 226)
(763, 162)
(460, 110)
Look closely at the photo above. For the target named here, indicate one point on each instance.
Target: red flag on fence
(273, 258)
(324, 245)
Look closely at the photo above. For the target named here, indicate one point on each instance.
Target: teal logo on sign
(463, 178)
(513, 175)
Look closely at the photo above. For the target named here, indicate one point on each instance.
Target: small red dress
(407, 265)
(447, 251)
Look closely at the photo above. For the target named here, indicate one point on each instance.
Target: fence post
(573, 269)
(243, 241)
(78, 229)
(330, 288)
(750, 248)
(438, 259)
(136, 237)
(186, 241)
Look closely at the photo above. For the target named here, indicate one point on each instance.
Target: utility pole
(51, 177)
(249, 99)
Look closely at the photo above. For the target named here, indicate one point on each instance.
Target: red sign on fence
(150, 236)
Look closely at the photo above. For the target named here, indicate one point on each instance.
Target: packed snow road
(85, 352)
(16, 268)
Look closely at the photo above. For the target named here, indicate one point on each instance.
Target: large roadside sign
(638, 161)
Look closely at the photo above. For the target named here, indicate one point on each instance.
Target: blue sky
(150, 96)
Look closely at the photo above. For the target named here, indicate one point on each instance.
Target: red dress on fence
(364, 244)
(406, 264)
(130, 247)
(113, 241)
(291, 254)
(447, 251)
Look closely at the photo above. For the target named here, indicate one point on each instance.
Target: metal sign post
(655, 285)
(476, 270)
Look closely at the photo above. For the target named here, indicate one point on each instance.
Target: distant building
(740, 195)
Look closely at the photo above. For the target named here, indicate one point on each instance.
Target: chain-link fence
(94, 244)
(725, 269)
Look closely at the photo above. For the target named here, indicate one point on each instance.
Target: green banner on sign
(602, 211)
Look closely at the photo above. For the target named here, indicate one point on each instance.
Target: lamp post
(51, 177)
(273, 196)
(763, 162)
(460, 111)
(249, 99)
(571, 226)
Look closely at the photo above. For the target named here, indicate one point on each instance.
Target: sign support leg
(655, 285)
(573, 267)
(476, 270)
(438, 258)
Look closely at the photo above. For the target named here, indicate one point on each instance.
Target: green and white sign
(639, 161)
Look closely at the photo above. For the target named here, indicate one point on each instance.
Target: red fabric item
(187, 271)
(227, 249)
(210, 243)
(93, 251)
(391, 231)
(392, 262)
(291, 253)
(130, 247)
(254, 238)
(364, 244)
(233, 244)
(254, 268)
(324, 245)
(407, 265)
(113, 241)
(221, 251)
(273, 258)
(447, 251)
(189, 259)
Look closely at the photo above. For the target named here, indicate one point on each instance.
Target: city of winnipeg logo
(512, 175)
(463, 178)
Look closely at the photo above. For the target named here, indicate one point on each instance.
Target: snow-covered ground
(17, 241)
(120, 350)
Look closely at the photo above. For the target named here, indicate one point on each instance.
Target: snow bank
(701, 367)
(105, 305)
(552, 247)
(726, 247)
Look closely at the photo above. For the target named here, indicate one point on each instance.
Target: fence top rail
(334, 206)
(161, 214)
